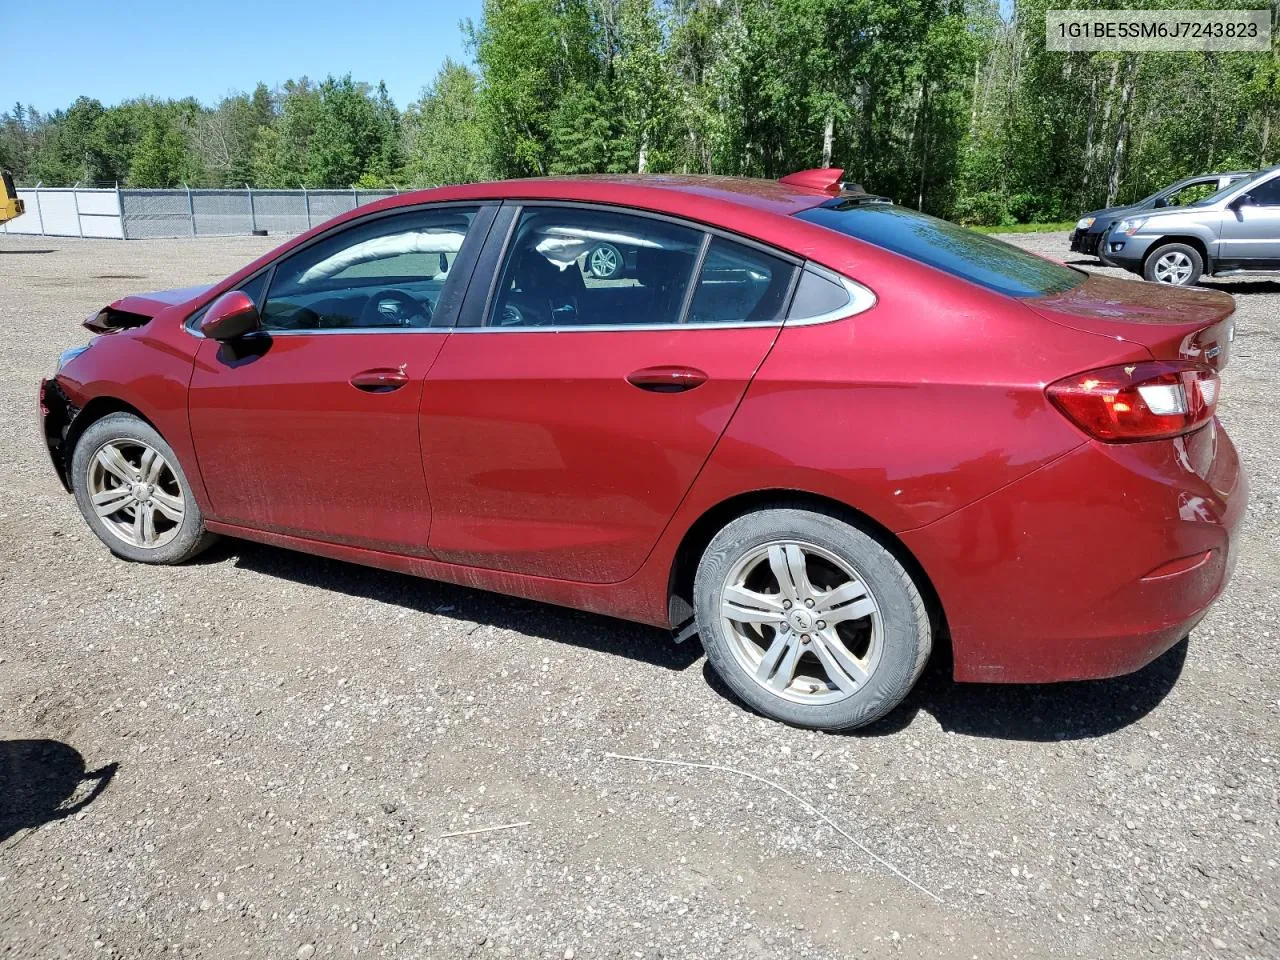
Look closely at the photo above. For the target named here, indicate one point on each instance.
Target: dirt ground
(257, 755)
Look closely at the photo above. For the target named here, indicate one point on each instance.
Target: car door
(309, 427)
(569, 413)
(1250, 230)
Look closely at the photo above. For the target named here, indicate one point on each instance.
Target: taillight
(1138, 401)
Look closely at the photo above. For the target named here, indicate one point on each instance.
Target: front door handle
(668, 379)
(380, 379)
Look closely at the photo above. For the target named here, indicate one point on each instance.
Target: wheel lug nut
(786, 604)
(822, 624)
(809, 602)
(783, 628)
(805, 638)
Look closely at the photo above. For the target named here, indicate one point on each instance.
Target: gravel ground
(256, 755)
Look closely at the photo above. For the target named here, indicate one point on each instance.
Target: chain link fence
(151, 214)
(221, 213)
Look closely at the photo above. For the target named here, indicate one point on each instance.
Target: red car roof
(676, 193)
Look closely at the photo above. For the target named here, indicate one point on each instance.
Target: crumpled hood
(149, 304)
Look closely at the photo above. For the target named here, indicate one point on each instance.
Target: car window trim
(482, 206)
(861, 298)
(477, 321)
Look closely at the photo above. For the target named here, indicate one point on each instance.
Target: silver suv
(1233, 231)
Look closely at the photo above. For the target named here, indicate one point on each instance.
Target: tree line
(951, 106)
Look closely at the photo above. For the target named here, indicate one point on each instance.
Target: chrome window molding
(348, 331)
(861, 299)
(621, 327)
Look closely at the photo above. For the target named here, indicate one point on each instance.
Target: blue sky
(53, 54)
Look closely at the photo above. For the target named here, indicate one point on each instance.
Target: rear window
(983, 260)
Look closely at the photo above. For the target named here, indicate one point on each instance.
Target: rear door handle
(380, 379)
(667, 379)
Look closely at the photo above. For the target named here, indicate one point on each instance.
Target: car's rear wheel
(809, 620)
(133, 494)
(1176, 264)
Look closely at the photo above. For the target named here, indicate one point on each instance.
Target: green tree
(530, 53)
(444, 137)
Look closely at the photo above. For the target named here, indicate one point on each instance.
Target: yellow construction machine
(10, 206)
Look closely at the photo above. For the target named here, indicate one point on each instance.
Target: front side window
(1266, 194)
(385, 273)
(570, 267)
(739, 284)
(1230, 189)
(980, 259)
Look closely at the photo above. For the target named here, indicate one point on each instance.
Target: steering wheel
(394, 308)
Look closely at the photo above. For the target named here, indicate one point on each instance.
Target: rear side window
(818, 294)
(573, 267)
(739, 284)
(983, 260)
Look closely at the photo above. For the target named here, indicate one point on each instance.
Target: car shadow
(1032, 712)
(1079, 710)
(1240, 286)
(42, 781)
(558, 624)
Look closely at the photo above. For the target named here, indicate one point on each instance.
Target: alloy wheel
(136, 494)
(1173, 267)
(605, 261)
(801, 622)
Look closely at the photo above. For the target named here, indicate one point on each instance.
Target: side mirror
(1244, 200)
(232, 315)
(1160, 202)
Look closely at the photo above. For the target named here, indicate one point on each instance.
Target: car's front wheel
(605, 261)
(810, 620)
(1176, 264)
(133, 494)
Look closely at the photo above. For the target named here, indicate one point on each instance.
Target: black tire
(905, 632)
(189, 536)
(1152, 267)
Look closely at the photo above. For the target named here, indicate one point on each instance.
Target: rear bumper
(1092, 566)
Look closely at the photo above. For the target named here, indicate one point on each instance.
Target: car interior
(547, 281)
(389, 279)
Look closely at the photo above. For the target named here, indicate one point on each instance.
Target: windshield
(1228, 189)
(980, 259)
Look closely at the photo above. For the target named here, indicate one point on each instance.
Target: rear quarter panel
(929, 400)
(907, 412)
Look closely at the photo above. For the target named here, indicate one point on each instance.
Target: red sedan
(827, 432)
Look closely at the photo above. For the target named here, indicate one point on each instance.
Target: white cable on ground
(781, 789)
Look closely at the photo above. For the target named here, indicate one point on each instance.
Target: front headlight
(1130, 227)
(1084, 223)
(67, 356)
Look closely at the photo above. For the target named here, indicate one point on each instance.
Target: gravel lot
(278, 742)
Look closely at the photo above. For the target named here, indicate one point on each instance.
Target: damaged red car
(827, 433)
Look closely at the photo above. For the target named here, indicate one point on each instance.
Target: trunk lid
(1172, 323)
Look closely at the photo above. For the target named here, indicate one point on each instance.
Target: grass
(1027, 227)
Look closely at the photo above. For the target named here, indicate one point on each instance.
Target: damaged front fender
(57, 413)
